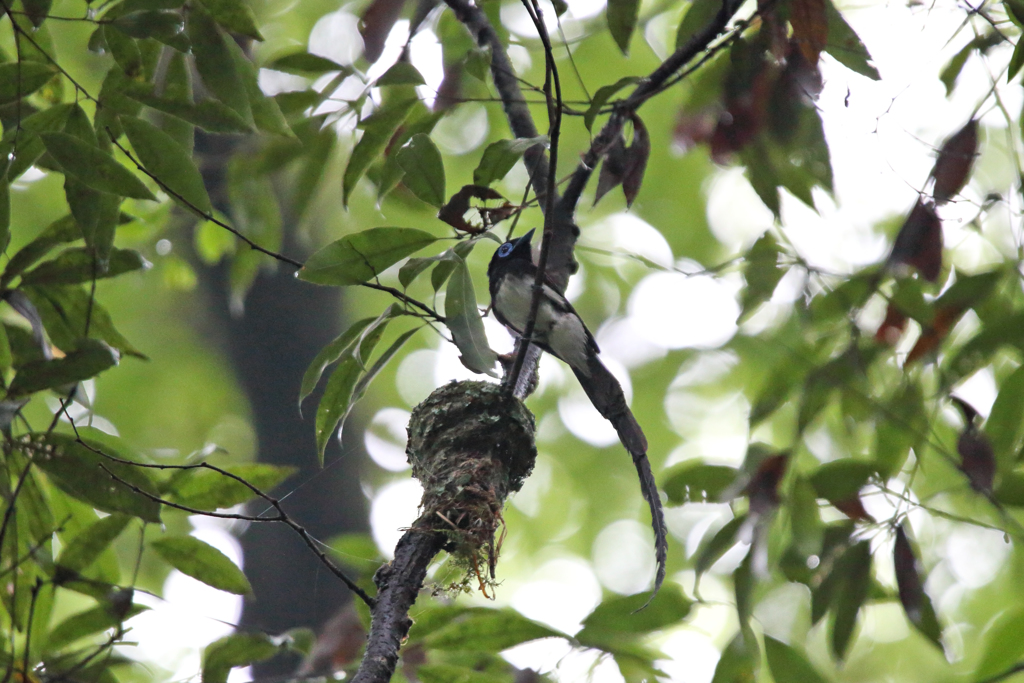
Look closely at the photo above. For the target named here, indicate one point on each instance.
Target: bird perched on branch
(560, 331)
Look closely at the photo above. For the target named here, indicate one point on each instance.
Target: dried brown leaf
(956, 157)
(612, 169)
(977, 459)
(637, 154)
(454, 212)
(891, 329)
(919, 241)
(378, 19)
(810, 27)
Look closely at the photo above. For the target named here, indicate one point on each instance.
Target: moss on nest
(470, 446)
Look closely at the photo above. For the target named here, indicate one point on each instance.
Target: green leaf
(854, 574)
(1005, 423)
(21, 79)
(5, 212)
(124, 49)
(969, 291)
(453, 673)
(206, 489)
(499, 158)
(413, 267)
(401, 73)
(622, 16)
(61, 231)
(77, 265)
(164, 158)
(202, 562)
(265, 113)
(762, 273)
(844, 300)
(93, 167)
(601, 97)
(695, 481)
(1003, 645)
(842, 479)
(845, 45)
(712, 551)
(736, 664)
(381, 363)
(788, 664)
(951, 72)
(465, 323)
(210, 115)
(901, 424)
(88, 360)
(1016, 61)
(697, 17)
(377, 131)
(85, 547)
(621, 619)
(447, 262)
(85, 204)
(29, 146)
(302, 63)
(37, 10)
(87, 623)
(79, 470)
(160, 24)
(235, 16)
(357, 258)
(64, 312)
(215, 63)
(424, 170)
(238, 649)
(339, 395)
(483, 629)
(341, 345)
(1011, 489)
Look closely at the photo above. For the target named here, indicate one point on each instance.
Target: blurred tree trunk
(285, 323)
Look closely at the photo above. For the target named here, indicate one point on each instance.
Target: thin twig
(253, 245)
(554, 102)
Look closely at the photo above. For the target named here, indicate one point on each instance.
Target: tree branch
(650, 86)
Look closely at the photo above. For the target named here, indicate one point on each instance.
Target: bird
(559, 330)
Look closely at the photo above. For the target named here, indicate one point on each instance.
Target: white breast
(561, 332)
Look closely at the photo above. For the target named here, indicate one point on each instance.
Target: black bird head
(513, 250)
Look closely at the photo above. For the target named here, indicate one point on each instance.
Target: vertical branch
(554, 107)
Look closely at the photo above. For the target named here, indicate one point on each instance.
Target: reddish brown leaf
(970, 413)
(810, 27)
(637, 154)
(853, 508)
(748, 89)
(612, 169)
(449, 93)
(977, 460)
(763, 488)
(932, 336)
(956, 157)
(919, 242)
(378, 19)
(695, 128)
(907, 578)
(891, 329)
(454, 212)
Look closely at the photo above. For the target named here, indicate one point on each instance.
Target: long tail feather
(606, 394)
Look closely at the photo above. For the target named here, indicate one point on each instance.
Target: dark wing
(561, 303)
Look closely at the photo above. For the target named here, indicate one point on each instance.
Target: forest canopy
(246, 249)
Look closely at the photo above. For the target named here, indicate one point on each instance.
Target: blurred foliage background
(793, 380)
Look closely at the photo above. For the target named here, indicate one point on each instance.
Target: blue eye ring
(505, 249)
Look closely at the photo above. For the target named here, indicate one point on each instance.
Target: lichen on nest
(470, 446)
